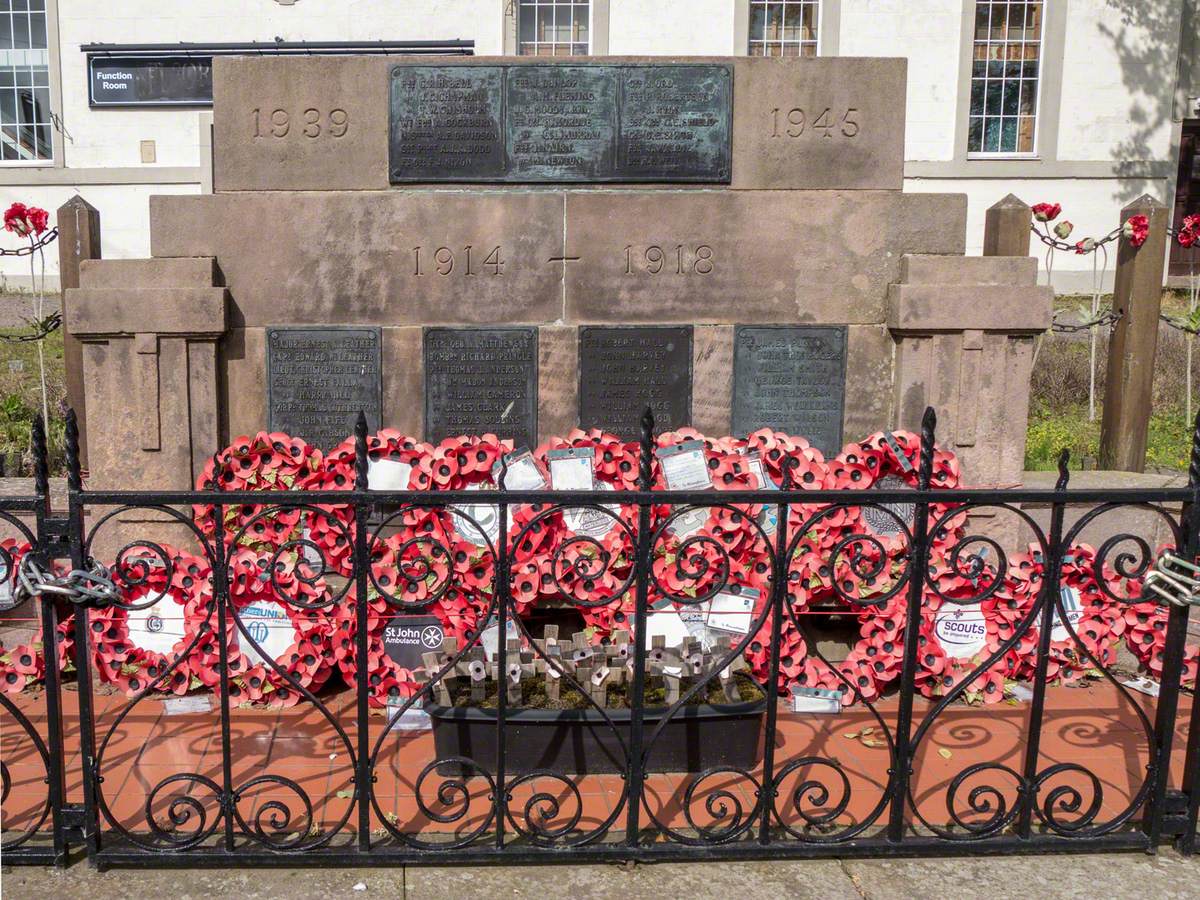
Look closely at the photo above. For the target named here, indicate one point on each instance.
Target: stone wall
(305, 230)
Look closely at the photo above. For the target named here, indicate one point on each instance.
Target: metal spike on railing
(74, 467)
(41, 458)
(360, 452)
(789, 463)
(928, 426)
(502, 479)
(1064, 473)
(216, 472)
(645, 474)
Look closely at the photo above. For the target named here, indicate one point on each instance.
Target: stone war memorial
(523, 247)
(378, 559)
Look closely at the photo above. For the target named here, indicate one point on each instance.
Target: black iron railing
(798, 799)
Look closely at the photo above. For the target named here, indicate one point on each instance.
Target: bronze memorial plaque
(318, 379)
(481, 381)
(791, 378)
(561, 123)
(622, 370)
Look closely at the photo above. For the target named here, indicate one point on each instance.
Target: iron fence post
(48, 611)
(778, 593)
(1164, 726)
(1044, 614)
(918, 564)
(501, 593)
(83, 646)
(636, 774)
(362, 774)
(221, 595)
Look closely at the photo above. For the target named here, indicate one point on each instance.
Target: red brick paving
(1092, 726)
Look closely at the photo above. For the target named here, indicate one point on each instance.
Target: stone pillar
(78, 239)
(149, 330)
(964, 329)
(1137, 299)
(1006, 227)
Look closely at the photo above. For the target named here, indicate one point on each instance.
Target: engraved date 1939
(311, 123)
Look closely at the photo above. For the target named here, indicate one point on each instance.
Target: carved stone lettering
(624, 370)
(481, 381)
(791, 378)
(318, 379)
(445, 123)
(672, 122)
(561, 123)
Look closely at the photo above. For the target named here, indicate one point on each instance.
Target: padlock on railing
(1174, 580)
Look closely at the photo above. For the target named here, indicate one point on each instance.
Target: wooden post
(1137, 299)
(1006, 227)
(78, 239)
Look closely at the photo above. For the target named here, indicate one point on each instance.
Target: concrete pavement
(1112, 876)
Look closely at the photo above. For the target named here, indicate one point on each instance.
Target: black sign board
(318, 379)
(556, 123)
(407, 638)
(150, 81)
(481, 381)
(622, 370)
(791, 378)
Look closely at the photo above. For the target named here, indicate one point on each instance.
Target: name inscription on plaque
(553, 123)
(318, 379)
(624, 370)
(791, 378)
(481, 381)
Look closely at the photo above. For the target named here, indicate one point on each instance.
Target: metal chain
(42, 328)
(45, 239)
(1174, 580)
(1108, 318)
(81, 586)
(1178, 324)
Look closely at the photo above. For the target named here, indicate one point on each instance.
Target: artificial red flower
(1046, 212)
(25, 220)
(1136, 229)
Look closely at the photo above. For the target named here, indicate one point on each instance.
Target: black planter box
(581, 742)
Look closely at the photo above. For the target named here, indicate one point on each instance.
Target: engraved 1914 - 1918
(481, 381)
(793, 378)
(556, 123)
(624, 369)
(318, 379)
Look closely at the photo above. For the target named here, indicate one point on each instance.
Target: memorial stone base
(523, 247)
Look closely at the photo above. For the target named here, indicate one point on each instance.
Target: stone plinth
(964, 332)
(321, 122)
(150, 367)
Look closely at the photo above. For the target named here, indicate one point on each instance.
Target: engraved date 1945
(795, 122)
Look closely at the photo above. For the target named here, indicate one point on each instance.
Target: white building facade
(1088, 103)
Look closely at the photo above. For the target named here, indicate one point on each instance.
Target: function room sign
(150, 81)
(560, 123)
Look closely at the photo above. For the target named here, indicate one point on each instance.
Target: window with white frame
(1005, 71)
(24, 82)
(554, 28)
(784, 27)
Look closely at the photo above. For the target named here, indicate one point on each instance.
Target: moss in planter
(533, 694)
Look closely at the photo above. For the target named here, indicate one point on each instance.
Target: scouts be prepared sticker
(961, 630)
